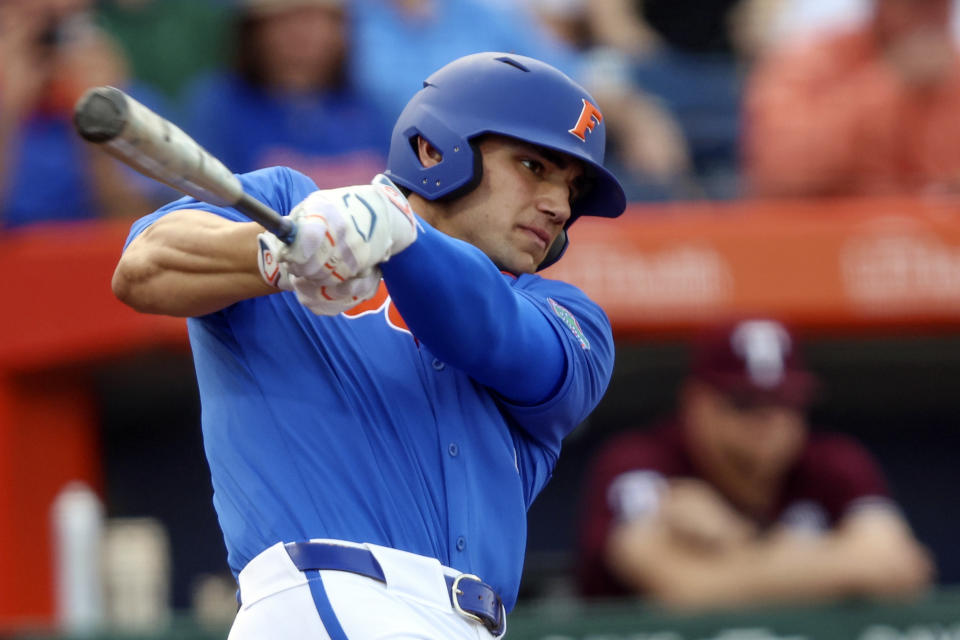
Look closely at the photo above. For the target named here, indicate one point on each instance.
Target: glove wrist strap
(268, 264)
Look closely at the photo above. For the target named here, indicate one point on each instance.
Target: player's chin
(519, 262)
(529, 257)
(522, 254)
(529, 260)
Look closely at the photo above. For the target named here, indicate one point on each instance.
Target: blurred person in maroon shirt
(866, 110)
(735, 501)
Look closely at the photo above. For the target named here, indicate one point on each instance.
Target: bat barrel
(101, 114)
(155, 147)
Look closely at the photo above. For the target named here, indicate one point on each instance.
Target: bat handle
(281, 226)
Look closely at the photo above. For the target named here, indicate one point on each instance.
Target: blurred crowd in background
(704, 100)
(715, 99)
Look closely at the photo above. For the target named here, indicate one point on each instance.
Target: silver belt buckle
(457, 592)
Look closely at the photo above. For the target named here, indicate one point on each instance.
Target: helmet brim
(605, 197)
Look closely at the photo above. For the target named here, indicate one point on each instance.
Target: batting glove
(273, 272)
(331, 300)
(340, 233)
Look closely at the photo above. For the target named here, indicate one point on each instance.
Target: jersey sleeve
(542, 347)
(583, 332)
(623, 481)
(279, 187)
(845, 475)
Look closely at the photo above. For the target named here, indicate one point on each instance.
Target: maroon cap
(754, 361)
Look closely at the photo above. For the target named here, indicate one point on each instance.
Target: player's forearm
(687, 581)
(873, 555)
(457, 302)
(787, 569)
(790, 569)
(780, 569)
(190, 263)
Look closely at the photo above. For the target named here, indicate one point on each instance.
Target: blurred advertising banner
(838, 263)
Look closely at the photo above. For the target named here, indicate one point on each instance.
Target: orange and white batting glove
(340, 233)
(323, 297)
(331, 300)
(273, 272)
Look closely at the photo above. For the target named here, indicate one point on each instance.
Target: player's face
(301, 47)
(520, 206)
(758, 442)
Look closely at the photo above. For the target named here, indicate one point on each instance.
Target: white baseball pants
(280, 602)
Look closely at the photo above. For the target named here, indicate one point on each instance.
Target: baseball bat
(157, 148)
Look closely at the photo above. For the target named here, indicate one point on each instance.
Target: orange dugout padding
(59, 317)
(844, 265)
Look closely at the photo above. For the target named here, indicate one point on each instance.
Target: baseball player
(384, 398)
(737, 500)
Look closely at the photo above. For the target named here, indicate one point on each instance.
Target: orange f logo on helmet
(589, 118)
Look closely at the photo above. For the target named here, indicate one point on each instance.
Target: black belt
(469, 595)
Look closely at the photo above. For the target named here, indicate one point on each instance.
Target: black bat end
(101, 114)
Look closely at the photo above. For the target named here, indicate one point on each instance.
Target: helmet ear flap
(454, 174)
(557, 249)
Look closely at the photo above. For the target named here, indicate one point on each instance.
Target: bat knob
(101, 114)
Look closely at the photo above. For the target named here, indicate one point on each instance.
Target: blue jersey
(392, 424)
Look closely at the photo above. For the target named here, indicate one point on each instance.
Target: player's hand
(882, 557)
(331, 300)
(341, 233)
(322, 297)
(697, 515)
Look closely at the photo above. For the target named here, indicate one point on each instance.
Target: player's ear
(429, 154)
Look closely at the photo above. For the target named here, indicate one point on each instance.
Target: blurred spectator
(401, 42)
(799, 19)
(735, 501)
(690, 54)
(51, 52)
(170, 42)
(869, 110)
(565, 20)
(290, 100)
(643, 28)
(647, 148)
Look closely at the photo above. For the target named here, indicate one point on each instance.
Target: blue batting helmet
(509, 95)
